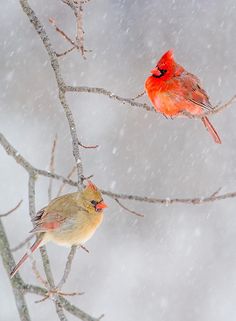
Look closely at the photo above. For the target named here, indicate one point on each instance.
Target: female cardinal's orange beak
(156, 72)
(101, 205)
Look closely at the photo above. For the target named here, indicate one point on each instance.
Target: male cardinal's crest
(168, 56)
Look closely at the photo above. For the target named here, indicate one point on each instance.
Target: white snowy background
(179, 262)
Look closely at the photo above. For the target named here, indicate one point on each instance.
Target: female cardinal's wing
(193, 92)
(47, 221)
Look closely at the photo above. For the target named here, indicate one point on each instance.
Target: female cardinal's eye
(94, 203)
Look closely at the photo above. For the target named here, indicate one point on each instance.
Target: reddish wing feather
(193, 92)
(47, 221)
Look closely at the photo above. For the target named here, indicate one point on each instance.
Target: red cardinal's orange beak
(156, 72)
(101, 205)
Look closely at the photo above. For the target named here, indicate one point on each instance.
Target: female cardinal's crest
(91, 185)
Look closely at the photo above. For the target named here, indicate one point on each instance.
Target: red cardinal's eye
(158, 72)
(162, 71)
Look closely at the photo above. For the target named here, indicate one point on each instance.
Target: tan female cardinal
(68, 220)
(173, 91)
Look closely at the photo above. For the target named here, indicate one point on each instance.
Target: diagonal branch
(72, 309)
(109, 94)
(127, 209)
(43, 251)
(16, 282)
(64, 184)
(77, 8)
(67, 270)
(60, 83)
(155, 200)
(12, 210)
(133, 103)
(52, 167)
(21, 244)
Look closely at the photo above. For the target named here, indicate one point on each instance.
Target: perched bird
(67, 220)
(173, 91)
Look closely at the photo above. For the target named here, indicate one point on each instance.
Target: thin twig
(37, 273)
(61, 32)
(12, 210)
(61, 85)
(132, 102)
(127, 209)
(155, 200)
(16, 282)
(43, 251)
(84, 248)
(67, 267)
(139, 95)
(72, 309)
(111, 95)
(21, 244)
(52, 167)
(64, 184)
(60, 312)
(216, 192)
(47, 267)
(65, 52)
(79, 28)
(220, 108)
(77, 8)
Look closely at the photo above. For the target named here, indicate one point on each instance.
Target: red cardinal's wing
(193, 92)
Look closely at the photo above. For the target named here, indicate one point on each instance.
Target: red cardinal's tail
(25, 257)
(211, 130)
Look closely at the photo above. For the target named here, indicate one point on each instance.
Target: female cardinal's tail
(25, 257)
(211, 130)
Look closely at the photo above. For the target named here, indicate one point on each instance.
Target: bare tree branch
(171, 201)
(65, 52)
(61, 86)
(155, 200)
(43, 251)
(77, 8)
(21, 244)
(72, 309)
(139, 95)
(127, 209)
(37, 274)
(111, 95)
(12, 210)
(64, 35)
(133, 103)
(16, 282)
(52, 167)
(60, 312)
(67, 267)
(64, 184)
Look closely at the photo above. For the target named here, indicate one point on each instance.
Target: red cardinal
(173, 91)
